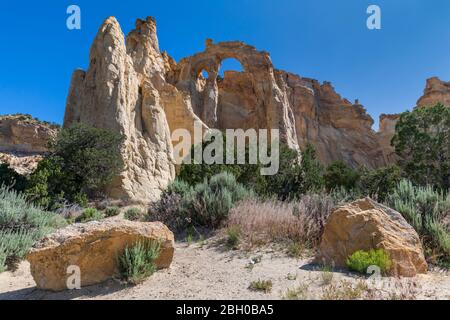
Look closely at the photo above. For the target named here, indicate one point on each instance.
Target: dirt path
(208, 272)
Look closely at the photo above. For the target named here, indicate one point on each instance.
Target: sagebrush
(21, 225)
(137, 261)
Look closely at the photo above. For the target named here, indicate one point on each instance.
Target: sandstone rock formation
(93, 247)
(120, 92)
(133, 88)
(364, 225)
(435, 91)
(22, 164)
(23, 141)
(25, 135)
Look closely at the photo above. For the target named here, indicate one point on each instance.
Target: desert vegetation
(21, 225)
(137, 262)
(288, 210)
(292, 206)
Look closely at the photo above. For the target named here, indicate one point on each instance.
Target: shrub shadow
(94, 291)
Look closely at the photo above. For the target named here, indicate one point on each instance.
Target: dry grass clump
(261, 285)
(268, 221)
(345, 290)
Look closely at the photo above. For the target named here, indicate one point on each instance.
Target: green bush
(21, 225)
(112, 211)
(360, 260)
(233, 237)
(206, 204)
(137, 262)
(89, 214)
(210, 202)
(425, 209)
(379, 183)
(294, 177)
(340, 175)
(195, 173)
(179, 187)
(10, 178)
(82, 162)
(261, 285)
(133, 214)
(422, 140)
(342, 196)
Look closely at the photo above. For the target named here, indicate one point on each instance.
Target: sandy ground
(208, 271)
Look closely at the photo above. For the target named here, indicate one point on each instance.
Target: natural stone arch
(255, 63)
(230, 65)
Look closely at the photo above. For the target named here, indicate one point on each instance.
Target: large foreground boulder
(364, 225)
(93, 247)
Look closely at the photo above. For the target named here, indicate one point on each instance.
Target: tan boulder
(364, 225)
(93, 247)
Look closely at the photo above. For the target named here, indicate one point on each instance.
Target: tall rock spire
(114, 95)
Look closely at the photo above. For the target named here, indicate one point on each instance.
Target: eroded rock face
(119, 92)
(25, 135)
(133, 88)
(435, 91)
(93, 247)
(364, 225)
(339, 129)
(261, 97)
(23, 141)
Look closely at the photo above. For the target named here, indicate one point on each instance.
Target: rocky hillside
(23, 141)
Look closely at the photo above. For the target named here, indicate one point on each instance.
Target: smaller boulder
(364, 225)
(93, 247)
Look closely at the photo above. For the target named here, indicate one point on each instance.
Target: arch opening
(230, 65)
(202, 77)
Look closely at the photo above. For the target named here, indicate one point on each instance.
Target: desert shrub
(340, 175)
(112, 211)
(296, 250)
(133, 214)
(205, 205)
(89, 214)
(294, 177)
(327, 275)
(44, 186)
(233, 237)
(210, 202)
(261, 285)
(21, 225)
(342, 196)
(425, 209)
(300, 222)
(10, 178)
(196, 173)
(82, 162)
(14, 245)
(345, 290)
(422, 140)
(360, 260)
(297, 293)
(169, 210)
(179, 187)
(379, 183)
(137, 262)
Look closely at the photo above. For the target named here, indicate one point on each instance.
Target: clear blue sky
(322, 39)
